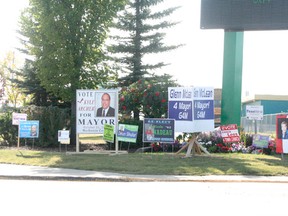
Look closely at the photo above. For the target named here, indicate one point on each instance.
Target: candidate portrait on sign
(33, 131)
(105, 109)
(282, 128)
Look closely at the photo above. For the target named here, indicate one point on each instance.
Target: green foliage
(149, 97)
(51, 120)
(31, 86)
(66, 39)
(8, 132)
(140, 32)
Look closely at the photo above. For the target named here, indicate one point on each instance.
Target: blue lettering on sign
(175, 94)
(203, 109)
(180, 110)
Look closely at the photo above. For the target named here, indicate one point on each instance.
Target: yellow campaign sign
(108, 133)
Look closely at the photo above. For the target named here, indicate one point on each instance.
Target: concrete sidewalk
(11, 171)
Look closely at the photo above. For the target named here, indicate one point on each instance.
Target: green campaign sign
(127, 133)
(260, 141)
(108, 133)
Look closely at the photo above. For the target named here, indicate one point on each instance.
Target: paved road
(78, 192)
(35, 197)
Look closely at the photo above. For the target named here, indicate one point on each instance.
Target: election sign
(108, 133)
(28, 129)
(16, 117)
(192, 108)
(94, 109)
(254, 112)
(158, 130)
(230, 133)
(64, 136)
(282, 133)
(203, 108)
(127, 133)
(260, 141)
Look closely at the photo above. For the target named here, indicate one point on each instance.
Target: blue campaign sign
(203, 109)
(192, 108)
(29, 129)
(180, 110)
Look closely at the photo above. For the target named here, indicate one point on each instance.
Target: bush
(8, 132)
(51, 119)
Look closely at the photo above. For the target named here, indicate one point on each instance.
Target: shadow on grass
(237, 164)
(28, 156)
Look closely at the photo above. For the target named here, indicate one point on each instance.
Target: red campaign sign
(281, 133)
(228, 127)
(230, 133)
(231, 139)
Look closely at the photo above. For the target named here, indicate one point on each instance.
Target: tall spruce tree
(140, 32)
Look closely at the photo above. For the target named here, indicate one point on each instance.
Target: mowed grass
(154, 163)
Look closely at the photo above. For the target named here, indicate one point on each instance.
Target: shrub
(8, 132)
(51, 119)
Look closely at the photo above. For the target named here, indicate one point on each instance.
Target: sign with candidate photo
(127, 133)
(29, 129)
(94, 109)
(282, 133)
(158, 130)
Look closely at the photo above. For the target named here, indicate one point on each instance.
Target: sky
(200, 61)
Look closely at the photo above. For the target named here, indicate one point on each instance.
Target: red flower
(122, 98)
(139, 81)
(124, 107)
(157, 94)
(163, 101)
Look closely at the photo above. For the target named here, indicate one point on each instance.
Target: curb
(211, 179)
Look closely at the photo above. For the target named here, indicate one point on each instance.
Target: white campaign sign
(90, 116)
(254, 112)
(192, 108)
(16, 117)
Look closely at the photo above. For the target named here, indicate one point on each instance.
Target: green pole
(232, 78)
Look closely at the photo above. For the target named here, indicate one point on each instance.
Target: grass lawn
(154, 163)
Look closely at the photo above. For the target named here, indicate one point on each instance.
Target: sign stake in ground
(193, 146)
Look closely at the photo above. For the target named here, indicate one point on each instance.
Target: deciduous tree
(65, 39)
